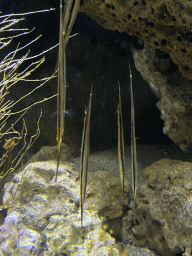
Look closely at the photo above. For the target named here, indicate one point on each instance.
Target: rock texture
(44, 216)
(164, 212)
(169, 183)
(44, 219)
(164, 25)
(175, 94)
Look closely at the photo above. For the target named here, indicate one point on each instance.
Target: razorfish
(121, 143)
(133, 148)
(67, 19)
(85, 155)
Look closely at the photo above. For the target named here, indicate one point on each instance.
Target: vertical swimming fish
(67, 19)
(133, 147)
(85, 155)
(121, 143)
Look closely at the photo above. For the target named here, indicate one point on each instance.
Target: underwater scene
(95, 128)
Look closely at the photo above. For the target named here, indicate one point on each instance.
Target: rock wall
(165, 62)
(164, 25)
(43, 216)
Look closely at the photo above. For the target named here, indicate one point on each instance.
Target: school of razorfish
(68, 16)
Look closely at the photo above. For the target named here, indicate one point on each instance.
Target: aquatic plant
(10, 74)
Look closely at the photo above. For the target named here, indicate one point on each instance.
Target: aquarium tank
(95, 128)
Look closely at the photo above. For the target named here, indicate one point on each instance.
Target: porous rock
(164, 25)
(164, 211)
(175, 94)
(44, 217)
(165, 28)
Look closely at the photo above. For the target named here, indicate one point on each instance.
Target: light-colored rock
(44, 218)
(164, 211)
(169, 183)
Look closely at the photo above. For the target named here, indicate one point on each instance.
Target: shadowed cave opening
(102, 65)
